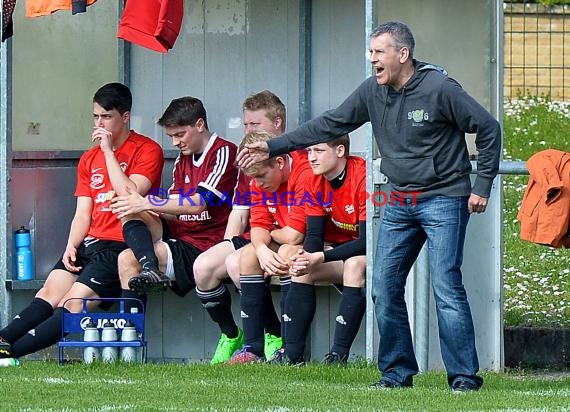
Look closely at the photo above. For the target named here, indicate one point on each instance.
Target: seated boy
(337, 215)
(196, 210)
(261, 111)
(121, 161)
(277, 220)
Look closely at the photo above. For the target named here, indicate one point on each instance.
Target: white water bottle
(129, 334)
(91, 334)
(109, 334)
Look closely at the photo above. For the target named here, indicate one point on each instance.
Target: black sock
(271, 322)
(350, 313)
(299, 313)
(218, 304)
(35, 313)
(129, 304)
(252, 310)
(285, 285)
(43, 336)
(139, 239)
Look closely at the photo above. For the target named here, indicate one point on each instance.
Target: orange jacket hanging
(545, 209)
(37, 8)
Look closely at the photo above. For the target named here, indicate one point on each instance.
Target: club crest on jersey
(418, 117)
(349, 209)
(97, 181)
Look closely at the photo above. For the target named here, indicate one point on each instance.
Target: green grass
(536, 278)
(46, 386)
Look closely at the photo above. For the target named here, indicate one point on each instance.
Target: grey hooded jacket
(420, 130)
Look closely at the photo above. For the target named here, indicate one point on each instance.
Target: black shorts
(99, 259)
(238, 242)
(183, 257)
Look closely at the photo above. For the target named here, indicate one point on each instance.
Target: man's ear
(200, 125)
(404, 54)
(278, 123)
(340, 151)
(126, 117)
(281, 161)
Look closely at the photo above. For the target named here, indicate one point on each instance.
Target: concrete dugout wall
(310, 53)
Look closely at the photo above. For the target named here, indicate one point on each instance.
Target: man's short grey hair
(401, 34)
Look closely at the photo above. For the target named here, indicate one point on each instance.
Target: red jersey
(137, 155)
(343, 207)
(153, 24)
(283, 208)
(213, 175)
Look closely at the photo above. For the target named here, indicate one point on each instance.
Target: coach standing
(419, 117)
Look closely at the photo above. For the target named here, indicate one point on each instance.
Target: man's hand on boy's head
(252, 153)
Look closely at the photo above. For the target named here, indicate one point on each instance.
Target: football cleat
(5, 349)
(333, 358)
(281, 358)
(227, 347)
(245, 356)
(149, 281)
(271, 343)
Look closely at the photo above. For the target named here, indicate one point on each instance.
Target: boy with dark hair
(198, 204)
(122, 161)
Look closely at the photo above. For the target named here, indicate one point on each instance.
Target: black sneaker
(386, 384)
(333, 358)
(149, 281)
(464, 386)
(280, 358)
(5, 349)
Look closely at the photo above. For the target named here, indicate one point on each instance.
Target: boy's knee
(248, 260)
(202, 271)
(288, 250)
(355, 271)
(248, 254)
(72, 305)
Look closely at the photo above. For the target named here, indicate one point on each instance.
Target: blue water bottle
(24, 265)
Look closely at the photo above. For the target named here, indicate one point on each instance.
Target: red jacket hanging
(545, 209)
(154, 24)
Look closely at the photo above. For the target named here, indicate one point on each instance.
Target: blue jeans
(442, 221)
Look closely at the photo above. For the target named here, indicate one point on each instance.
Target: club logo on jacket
(418, 117)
